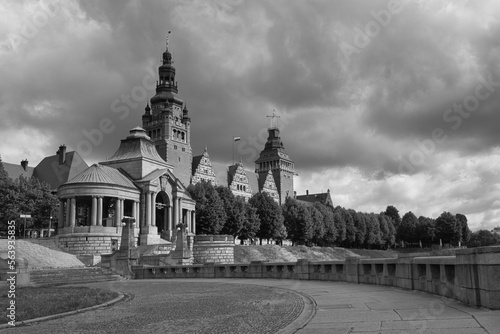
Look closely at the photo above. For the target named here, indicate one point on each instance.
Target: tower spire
(274, 120)
(168, 35)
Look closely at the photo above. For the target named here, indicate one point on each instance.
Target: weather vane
(168, 34)
(274, 119)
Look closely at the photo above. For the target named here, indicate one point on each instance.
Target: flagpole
(233, 150)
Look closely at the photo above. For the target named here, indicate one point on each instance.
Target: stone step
(71, 276)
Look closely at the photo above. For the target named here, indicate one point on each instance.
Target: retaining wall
(213, 248)
(471, 276)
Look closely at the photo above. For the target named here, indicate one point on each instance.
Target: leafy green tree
(210, 214)
(464, 227)
(407, 228)
(270, 215)
(483, 238)
(251, 225)
(447, 228)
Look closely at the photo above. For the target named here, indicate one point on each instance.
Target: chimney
(294, 194)
(24, 163)
(307, 192)
(62, 154)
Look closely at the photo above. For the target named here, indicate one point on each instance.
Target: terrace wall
(471, 276)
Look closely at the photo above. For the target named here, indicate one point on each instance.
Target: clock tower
(167, 121)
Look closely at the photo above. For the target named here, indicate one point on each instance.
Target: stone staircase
(62, 276)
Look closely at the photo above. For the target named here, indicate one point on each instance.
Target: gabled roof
(153, 175)
(49, 170)
(323, 198)
(103, 175)
(195, 163)
(14, 171)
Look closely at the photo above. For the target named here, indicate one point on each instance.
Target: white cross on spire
(274, 119)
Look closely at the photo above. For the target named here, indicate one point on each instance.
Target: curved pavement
(257, 306)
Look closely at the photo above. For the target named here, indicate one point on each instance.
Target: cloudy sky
(382, 102)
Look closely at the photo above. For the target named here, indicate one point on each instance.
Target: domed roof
(103, 175)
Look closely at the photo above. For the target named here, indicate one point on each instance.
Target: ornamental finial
(168, 35)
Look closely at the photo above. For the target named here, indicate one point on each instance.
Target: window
(175, 147)
(183, 149)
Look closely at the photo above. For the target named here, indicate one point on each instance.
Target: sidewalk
(335, 307)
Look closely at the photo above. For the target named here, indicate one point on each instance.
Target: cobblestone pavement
(168, 306)
(266, 305)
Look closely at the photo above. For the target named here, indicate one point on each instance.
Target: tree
(483, 238)
(374, 238)
(359, 222)
(271, 218)
(251, 225)
(407, 228)
(210, 213)
(8, 198)
(466, 232)
(340, 227)
(387, 230)
(393, 213)
(350, 235)
(318, 225)
(235, 211)
(330, 229)
(298, 222)
(446, 228)
(425, 231)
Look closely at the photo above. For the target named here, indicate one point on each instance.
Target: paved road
(257, 306)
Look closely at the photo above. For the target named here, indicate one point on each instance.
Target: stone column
(179, 214)
(176, 214)
(194, 221)
(169, 218)
(99, 211)
(153, 209)
(68, 206)
(93, 216)
(134, 210)
(188, 221)
(118, 210)
(72, 212)
(148, 208)
(60, 218)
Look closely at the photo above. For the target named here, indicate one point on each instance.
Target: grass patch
(35, 302)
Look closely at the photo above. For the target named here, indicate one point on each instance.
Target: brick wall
(88, 244)
(213, 248)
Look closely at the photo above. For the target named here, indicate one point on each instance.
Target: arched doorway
(163, 209)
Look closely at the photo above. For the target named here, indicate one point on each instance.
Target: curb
(308, 313)
(60, 315)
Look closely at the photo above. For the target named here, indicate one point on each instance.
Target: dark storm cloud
(345, 106)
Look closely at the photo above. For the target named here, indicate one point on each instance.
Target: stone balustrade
(472, 276)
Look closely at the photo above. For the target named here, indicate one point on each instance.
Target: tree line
(218, 211)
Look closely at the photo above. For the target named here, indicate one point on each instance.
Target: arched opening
(162, 207)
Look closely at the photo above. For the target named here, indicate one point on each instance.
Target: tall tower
(168, 123)
(273, 157)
